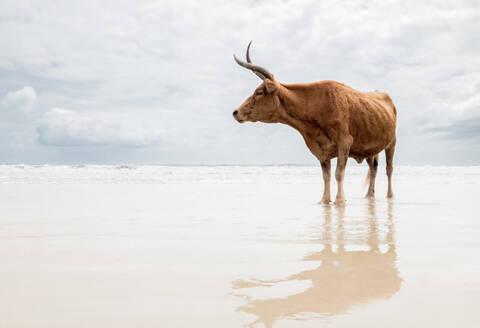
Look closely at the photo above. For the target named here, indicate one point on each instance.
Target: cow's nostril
(235, 112)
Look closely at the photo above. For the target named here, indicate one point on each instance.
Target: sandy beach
(228, 246)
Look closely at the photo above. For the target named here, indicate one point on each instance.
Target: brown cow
(334, 120)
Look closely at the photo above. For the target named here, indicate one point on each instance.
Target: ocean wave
(161, 174)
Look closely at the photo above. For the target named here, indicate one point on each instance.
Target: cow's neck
(289, 114)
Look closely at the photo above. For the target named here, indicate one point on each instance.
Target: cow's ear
(270, 86)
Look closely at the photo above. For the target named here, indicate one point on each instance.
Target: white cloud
(21, 100)
(62, 127)
(173, 60)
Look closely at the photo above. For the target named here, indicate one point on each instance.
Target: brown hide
(326, 113)
(334, 120)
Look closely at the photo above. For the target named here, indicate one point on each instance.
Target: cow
(334, 119)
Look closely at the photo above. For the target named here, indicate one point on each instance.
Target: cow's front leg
(342, 156)
(326, 182)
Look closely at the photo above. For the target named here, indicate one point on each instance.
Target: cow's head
(263, 104)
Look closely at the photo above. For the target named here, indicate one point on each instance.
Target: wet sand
(131, 252)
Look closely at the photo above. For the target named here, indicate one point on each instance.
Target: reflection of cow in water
(343, 279)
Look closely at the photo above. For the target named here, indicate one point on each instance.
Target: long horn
(248, 53)
(258, 70)
(249, 60)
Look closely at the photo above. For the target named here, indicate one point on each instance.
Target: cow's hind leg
(372, 166)
(326, 182)
(342, 156)
(389, 159)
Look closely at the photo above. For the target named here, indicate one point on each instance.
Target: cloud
(171, 62)
(21, 100)
(455, 110)
(62, 127)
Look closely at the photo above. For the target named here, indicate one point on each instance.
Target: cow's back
(372, 122)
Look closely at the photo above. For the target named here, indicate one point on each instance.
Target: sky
(154, 82)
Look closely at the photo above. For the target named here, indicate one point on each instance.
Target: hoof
(324, 201)
(340, 202)
(390, 195)
(370, 196)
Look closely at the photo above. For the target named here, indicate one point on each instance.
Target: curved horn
(248, 53)
(249, 60)
(258, 70)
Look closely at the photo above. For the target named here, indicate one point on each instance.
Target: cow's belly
(369, 150)
(371, 135)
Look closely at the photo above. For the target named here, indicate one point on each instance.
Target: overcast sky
(155, 81)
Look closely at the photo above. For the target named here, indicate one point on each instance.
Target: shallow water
(228, 246)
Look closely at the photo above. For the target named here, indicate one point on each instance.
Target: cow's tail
(375, 164)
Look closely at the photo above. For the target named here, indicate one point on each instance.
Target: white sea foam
(160, 174)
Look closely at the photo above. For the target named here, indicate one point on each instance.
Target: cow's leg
(342, 156)
(326, 182)
(372, 165)
(389, 159)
